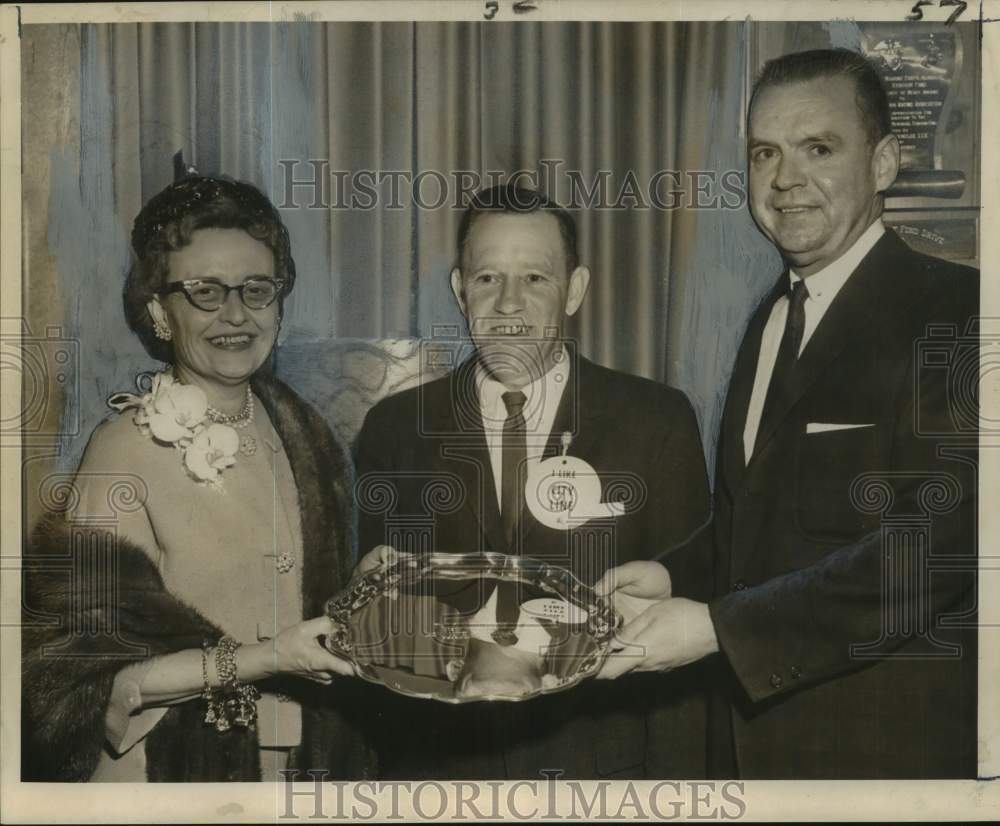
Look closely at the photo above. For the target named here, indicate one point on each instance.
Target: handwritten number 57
(916, 13)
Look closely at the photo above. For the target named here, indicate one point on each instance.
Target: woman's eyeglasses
(210, 294)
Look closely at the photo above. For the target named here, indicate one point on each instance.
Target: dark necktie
(508, 612)
(788, 354)
(514, 453)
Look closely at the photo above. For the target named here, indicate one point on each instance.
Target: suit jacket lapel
(579, 413)
(741, 388)
(476, 471)
(849, 319)
(578, 408)
(464, 451)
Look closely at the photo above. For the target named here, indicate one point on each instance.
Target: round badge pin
(564, 491)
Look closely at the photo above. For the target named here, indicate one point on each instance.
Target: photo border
(237, 803)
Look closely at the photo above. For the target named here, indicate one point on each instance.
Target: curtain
(107, 106)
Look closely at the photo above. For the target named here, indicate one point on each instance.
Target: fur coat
(78, 632)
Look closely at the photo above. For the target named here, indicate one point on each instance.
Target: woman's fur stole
(84, 622)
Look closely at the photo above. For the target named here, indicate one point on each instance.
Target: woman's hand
(299, 651)
(381, 556)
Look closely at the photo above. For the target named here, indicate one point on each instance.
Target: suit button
(776, 681)
(796, 672)
(739, 585)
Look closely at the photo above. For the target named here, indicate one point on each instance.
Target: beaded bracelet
(225, 662)
(208, 694)
(235, 702)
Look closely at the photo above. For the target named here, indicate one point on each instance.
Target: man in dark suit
(845, 506)
(456, 455)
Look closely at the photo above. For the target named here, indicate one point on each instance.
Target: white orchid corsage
(177, 414)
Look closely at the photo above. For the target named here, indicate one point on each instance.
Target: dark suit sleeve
(690, 566)
(681, 501)
(681, 538)
(804, 626)
(675, 703)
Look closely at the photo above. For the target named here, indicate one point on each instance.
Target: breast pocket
(829, 461)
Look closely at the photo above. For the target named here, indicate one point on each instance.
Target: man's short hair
(512, 199)
(798, 67)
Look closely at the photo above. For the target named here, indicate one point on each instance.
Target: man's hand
(660, 633)
(634, 587)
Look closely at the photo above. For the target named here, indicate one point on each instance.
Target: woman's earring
(162, 331)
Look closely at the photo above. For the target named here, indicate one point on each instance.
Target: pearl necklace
(238, 421)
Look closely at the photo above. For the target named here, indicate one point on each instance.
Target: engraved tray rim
(602, 619)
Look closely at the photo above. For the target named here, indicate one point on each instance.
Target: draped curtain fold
(260, 101)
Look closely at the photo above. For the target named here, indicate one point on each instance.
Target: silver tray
(469, 627)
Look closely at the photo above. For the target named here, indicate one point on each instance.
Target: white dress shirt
(542, 398)
(823, 287)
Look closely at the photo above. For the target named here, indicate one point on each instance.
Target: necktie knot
(514, 401)
(798, 292)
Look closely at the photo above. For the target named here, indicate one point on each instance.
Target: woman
(230, 526)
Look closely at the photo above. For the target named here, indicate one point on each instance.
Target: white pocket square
(826, 427)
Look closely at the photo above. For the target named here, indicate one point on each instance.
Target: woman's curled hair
(167, 222)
